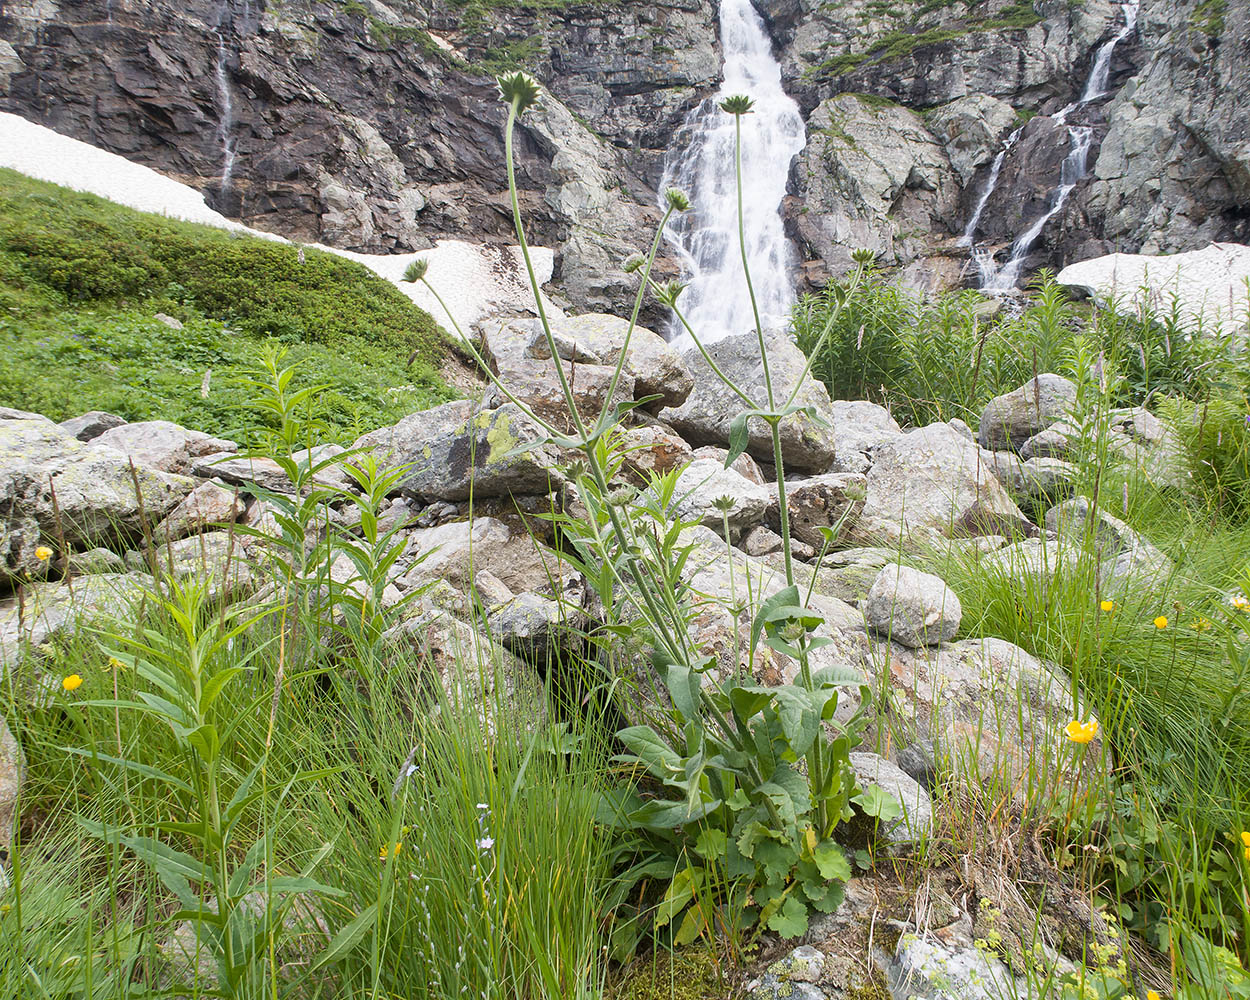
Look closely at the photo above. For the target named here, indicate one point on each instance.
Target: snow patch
(474, 280)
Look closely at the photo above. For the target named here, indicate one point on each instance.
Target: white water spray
(225, 100)
(1073, 170)
(716, 302)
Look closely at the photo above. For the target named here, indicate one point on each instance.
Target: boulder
(458, 551)
(820, 502)
(858, 428)
(703, 482)
(1122, 552)
(912, 608)
(1039, 479)
(706, 415)
(53, 486)
(49, 611)
(12, 774)
(537, 385)
(989, 711)
(924, 967)
(1012, 418)
(932, 482)
(916, 822)
(653, 449)
(91, 425)
(208, 505)
(216, 558)
(96, 560)
(656, 368)
(458, 450)
(160, 444)
(744, 464)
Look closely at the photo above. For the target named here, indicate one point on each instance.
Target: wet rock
(971, 129)
(872, 176)
(457, 449)
(160, 444)
(91, 425)
(53, 486)
(1012, 418)
(912, 608)
(932, 482)
(705, 417)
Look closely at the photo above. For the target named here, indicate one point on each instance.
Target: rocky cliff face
(375, 127)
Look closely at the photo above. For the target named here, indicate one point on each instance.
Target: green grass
(80, 280)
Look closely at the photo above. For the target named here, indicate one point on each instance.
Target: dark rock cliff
(376, 127)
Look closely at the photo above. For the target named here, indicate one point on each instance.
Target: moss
(1208, 17)
(523, 54)
(691, 974)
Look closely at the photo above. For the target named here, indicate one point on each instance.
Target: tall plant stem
(746, 269)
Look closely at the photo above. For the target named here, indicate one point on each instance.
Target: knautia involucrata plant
(740, 786)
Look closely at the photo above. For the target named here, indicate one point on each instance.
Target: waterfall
(716, 302)
(1075, 166)
(225, 99)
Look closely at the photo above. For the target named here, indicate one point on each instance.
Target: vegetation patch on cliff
(81, 280)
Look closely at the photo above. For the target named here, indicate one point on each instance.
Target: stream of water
(1075, 167)
(716, 302)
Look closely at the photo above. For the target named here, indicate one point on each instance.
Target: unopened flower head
(863, 256)
(415, 271)
(1081, 732)
(738, 104)
(668, 292)
(677, 200)
(518, 89)
(1245, 842)
(633, 263)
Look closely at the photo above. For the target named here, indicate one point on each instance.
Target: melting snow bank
(1211, 287)
(474, 280)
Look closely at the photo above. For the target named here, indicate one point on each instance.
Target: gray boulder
(1012, 418)
(705, 417)
(702, 483)
(821, 502)
(932, 482)
(971, 129)
(457, 450)
(91, 425)
(1122, 552)
(54, 486)
(912, 608)
(916, 822)
(457, 552)
(207, 505)
(858, 428)
(12, 774)
(160, 444)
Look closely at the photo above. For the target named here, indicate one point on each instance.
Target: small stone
(916, 823)
(91, 425)
(169, 321)
(912, 608)
(491, 590)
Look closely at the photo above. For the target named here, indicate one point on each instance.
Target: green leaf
(747, 701)
(791, 920)
(146, 770)
(658, 814)
(711, 843)
(785, 596)
(877, 802)
(347, 937)
(678, 895)
(739, 437)
(831, 860)
(649, 747)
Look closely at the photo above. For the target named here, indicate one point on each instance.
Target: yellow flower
(1245, 839)
(72, 683)
(1152, 995)
(1200, 624)
(116, 664)
(1107, 605)
(1081, 732)
(1161, 622)
(43, 553)
(390, 851)
(1239, 602)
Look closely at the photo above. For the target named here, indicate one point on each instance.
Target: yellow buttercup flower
(390, 851)
(72, 683)
(1107, 605)
(1081, 732)
(1152, 995)
(1161, 622)
(1245, 839)
(43, 553)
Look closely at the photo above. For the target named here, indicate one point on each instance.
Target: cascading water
(227, 25)
(1073, 170)
(716, 302)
